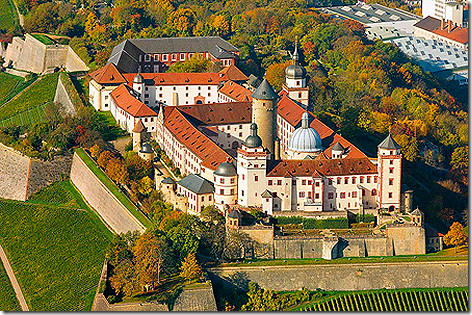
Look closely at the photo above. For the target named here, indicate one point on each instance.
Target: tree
(95, 151)
(190, 268)
(146, 186)
(117, 171)
(153, 259)
(456, 236)
(197, 63)
(276, 74)
(460, 160)
(104, 159)
(181, 22)
(124, 278)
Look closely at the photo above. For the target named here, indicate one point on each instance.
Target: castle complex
(256, 149)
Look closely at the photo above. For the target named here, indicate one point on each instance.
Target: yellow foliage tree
(95, 151)
(276, 74)
(220, 25)
(190, 268)
(456, 236)
(146, 185)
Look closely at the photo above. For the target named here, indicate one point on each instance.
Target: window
(240, 126)
(346, 180)
(368, 179)
(240, 134)
(353, 180)
(106, 97)
(222, 191)
(270, 182)
(317, 184)
(174, 57)
(330, 195)
(330, 181)
(232, 191)
(361, 179)
(354, 194)
(232, 181)
(279, 182)
(242, 192)
(309, 182)
(203, 198)
(147, 58)
(243, 176)
(301, 194)
(391, 162)
(182, 56)
(165, 57)
(299, 94)
(303, 181)
(339, 180)
(390, 181)
(222, 181)
(390, 195)
(374, 192)
(256, 178)
(317, 195)
(375, 179)
(342, 195)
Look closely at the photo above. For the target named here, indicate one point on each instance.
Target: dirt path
(14, 282)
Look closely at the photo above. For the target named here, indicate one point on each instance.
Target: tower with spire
(295, 85)
(389, 166)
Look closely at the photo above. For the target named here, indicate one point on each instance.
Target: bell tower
(295, 80)
(389, 167)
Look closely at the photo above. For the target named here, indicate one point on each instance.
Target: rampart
(21, 176)
(32, 55)
(110, 209)
(347, 277)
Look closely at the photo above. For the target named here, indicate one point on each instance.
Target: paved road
(14, 282)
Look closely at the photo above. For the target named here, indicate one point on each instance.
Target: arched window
(374, 192)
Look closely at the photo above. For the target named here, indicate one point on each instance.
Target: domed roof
(138, 78)
(226, 169)
(253, 140)
(305, 138)
(146, 148)
(295, 71)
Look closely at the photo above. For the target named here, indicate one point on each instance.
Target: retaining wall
(110, 209)
(63, 98)
(347, 277)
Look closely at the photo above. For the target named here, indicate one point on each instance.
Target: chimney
(442, 24)
(449, 26)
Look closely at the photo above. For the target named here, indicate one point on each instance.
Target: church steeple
(295, 79)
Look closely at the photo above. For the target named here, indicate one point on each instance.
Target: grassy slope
(113, 188)
(56, 250)
(405, 300)
(8, 15)
(8, 83)
(42, 91)
(8, 301)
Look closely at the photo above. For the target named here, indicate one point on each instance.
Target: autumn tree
(153, 259)
(181, 22)
(460, 160)
(95, 151)
(456, 236)
(276, 74)
(104, 158)
(146, 186)
(197, 63)
(117, 171)
(190, 268)
(124, 279)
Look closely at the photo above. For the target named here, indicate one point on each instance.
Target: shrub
(366, 218)
(310, 224)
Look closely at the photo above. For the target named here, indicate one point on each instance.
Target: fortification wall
(32, 56)
(110, 209)
(63, 98)
(196, 300)
(14, 170)
(44, 173)
(407, 240)
(74, 63)
(55, 56)
(348, 276)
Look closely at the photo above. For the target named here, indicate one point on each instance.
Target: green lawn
(8, 15)
(43, 39)
(8, 301)
(39, 93)
(354, 260)
(56, 250)
(402, 300)
(113, 188)
(8, 83)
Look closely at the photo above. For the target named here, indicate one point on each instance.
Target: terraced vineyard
(431, 300)
(56, 246)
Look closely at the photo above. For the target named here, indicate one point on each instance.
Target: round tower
(264, 114)
(226, 185)
(138, 84)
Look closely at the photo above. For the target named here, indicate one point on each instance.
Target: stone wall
(347, 277)
(63, 98)
(196, 300)
(407, 239)
(14, 170)
(109, 208)
(32, 55)
(21, 176)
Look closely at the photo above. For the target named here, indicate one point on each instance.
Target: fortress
(31, 55)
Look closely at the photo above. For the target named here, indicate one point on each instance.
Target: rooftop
(124, 99)
(236, 92)
(372, 13)
(196, 184)
(108, 74)
(219, 113)
(431, 24)
(207, 78)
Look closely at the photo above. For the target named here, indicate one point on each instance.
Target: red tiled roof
(126, 101)
(352, 151)
(457, 34)
(236, 92)
(233, 73)
(220, 113)
(176, 78)
(192, 138)
(316, 168)
(108, 74)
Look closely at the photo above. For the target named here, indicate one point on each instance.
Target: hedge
(331, 223)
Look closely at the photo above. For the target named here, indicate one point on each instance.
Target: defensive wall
(110, 209)
(21, 176)
(32, 55)
(347, 277)
(63, 98)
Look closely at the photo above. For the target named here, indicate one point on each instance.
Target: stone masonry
(347, 277)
